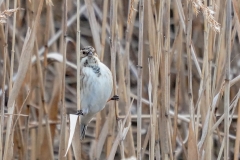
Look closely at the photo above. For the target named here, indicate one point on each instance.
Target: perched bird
(95, 86)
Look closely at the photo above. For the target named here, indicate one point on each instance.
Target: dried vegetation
(175, 66)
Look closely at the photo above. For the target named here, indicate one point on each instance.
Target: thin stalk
(207, 76)
(42, 79)
(177, 90)
(227, 78)
(139, 81)
(3, 87)
(22, 70)
(13, 45)
(189, 61)
(43, 109)
(33, 144)
(112, 114)
(104, 21)
(62, 146)
(5, 54)
(78, 55)
(168, 79)
(130, 24)
(94, 26)
(101, 57)
(76, 142)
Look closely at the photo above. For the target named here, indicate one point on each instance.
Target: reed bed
(175, 67)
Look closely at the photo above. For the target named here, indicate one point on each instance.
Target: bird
(96, 84)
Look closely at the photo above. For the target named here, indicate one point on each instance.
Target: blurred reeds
(175, 67)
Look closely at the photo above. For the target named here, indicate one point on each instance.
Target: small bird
(95, 87)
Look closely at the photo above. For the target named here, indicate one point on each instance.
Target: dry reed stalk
(128, 37)
(12, 61)
(227, 78)
(233, 105)
(192, 143)
(217, 68)
(189, 63)
(178, 82)
(206, 138)
(112, 111)
(3, 103)
(33, 144)
(152, 91)
(48, 151)
(221, 150)
(13, 46)
(23, 66)
(237, 14)
(43, 142)
(164, 121)
(120, 136)
(46, 37)
(140, 79)
(76, 138)
(22, 147)
(219, 42)
(122, 89)
(55, 36)
(182, 20)
(62, 145)
(168, 79)
(221, 51)
(99, 121)
(3, 85)
(40, 133)
(94, 26)
(102, 138)
(26, 137)
(158, 56)
(104, 21)
(203, 55)
(53, 104)
(153, 111)
(182, 143)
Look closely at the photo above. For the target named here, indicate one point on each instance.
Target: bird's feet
(79, 112)
(82, 112)
(114, 98)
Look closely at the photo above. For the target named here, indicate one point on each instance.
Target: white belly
(95, 89)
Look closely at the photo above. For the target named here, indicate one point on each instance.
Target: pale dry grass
(175, 66)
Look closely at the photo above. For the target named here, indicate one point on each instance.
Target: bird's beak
(90, 54)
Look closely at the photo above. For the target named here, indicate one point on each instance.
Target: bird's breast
(96, 87)
(92, 63)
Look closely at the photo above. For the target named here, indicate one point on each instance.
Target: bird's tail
(83, 129)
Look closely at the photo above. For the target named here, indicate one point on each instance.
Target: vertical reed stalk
(104, 21)
(189, 58)
(112, 112)
(62, 145)
(5, 54)
(76, 139)
(227, 79)
(130, 24)
(139, 81)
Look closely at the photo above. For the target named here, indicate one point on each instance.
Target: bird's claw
(79, 112)
(115, 98)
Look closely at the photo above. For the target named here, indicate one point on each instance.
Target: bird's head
(88, 51)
